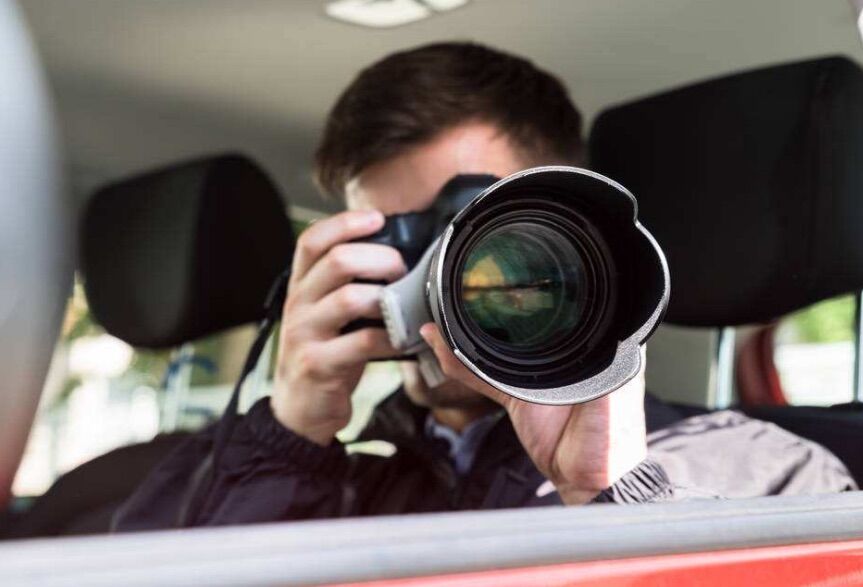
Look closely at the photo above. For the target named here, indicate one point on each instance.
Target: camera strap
(203, 478)
(272, 312)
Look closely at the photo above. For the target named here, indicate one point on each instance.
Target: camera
(544, 284)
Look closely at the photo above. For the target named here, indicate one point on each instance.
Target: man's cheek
(452, 386)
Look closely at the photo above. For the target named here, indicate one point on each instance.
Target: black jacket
(268, 473)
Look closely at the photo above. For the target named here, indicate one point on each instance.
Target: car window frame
(415, 545)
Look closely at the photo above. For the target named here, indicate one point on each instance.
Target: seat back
(36, 268)
(166, 257)
(753, 185)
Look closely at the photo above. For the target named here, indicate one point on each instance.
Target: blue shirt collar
(463, 447)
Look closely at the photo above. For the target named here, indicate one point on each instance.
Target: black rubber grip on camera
(410, 234)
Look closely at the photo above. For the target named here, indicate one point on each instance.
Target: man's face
(410, 182)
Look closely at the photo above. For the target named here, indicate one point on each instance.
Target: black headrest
(183, 252)
(751, 183)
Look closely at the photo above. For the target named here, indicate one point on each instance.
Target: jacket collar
(396, 417)
(400, 421)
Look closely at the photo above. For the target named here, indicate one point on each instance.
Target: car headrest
(751, 183)
(183, 252)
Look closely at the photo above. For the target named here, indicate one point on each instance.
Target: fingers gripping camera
(544, 284)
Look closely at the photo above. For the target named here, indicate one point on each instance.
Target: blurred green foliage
(79, 323)
(298, 226)
(827, 321)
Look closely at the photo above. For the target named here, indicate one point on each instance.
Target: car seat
(752, 185)
(166, 258)
(36, 271)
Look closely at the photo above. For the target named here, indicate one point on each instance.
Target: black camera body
(412, 233)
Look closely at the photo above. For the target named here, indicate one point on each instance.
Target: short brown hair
(409, 97)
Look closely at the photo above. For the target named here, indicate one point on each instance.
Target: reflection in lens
(523, 284)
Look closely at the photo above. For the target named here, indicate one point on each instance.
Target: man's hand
(318, 368)
(582, 449)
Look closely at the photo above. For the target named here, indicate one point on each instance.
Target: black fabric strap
(273, 309)
(199, 485)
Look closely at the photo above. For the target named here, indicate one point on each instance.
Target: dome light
(388, 13)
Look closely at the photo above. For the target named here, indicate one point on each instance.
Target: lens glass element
(523, 285)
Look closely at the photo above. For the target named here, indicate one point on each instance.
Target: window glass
(101, 393)
(815, 353)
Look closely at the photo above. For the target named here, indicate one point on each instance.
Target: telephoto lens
(544, 286)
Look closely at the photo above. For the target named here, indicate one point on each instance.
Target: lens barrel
(546, 285)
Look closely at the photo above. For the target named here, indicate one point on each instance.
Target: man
(397, 134)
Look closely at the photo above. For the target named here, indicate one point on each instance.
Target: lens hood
(546, 285)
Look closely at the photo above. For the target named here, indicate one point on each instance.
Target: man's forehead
(404, 183)
(411, 180)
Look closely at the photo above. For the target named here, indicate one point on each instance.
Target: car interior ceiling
(740, 257)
